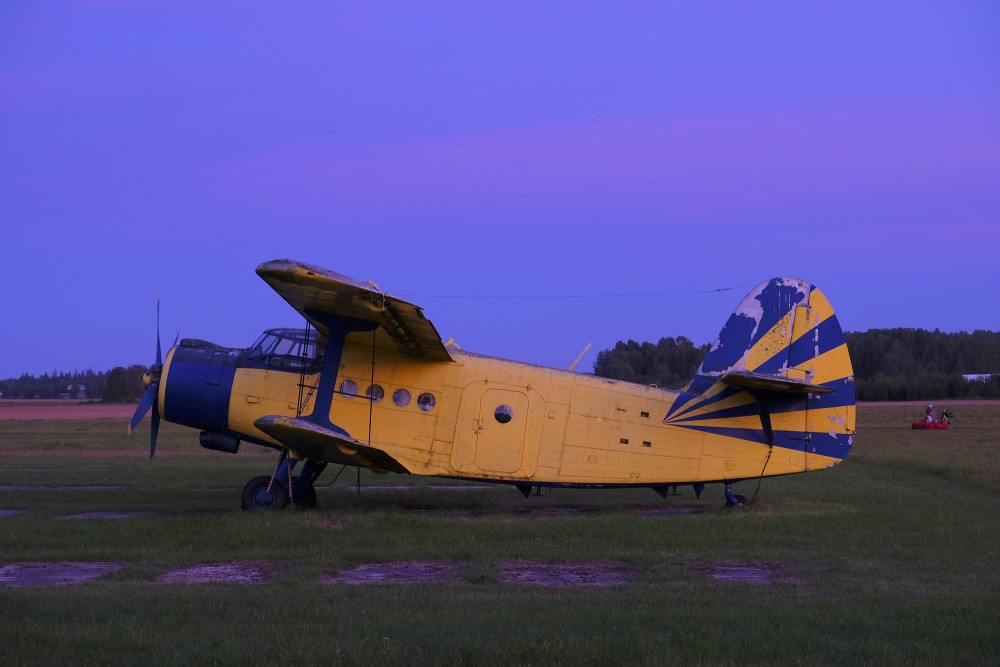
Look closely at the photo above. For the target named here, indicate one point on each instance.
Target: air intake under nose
(198, 385)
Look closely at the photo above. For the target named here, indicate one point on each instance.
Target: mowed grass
(889, 558)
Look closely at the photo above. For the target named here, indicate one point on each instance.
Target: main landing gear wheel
(256, 495)
(305, 497)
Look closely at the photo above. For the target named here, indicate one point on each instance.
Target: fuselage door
(501, 428)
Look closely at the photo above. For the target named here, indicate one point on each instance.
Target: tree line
(916, 364)
(669, 363)
(119, 385)
(889, 364)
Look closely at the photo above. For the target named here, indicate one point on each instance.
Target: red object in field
(923, 425)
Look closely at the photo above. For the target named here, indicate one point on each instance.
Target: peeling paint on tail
(785, 329)
(754, 318)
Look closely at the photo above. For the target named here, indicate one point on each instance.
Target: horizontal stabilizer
(761, 382)
(319, 443)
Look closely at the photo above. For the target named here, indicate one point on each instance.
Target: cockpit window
(296, 350)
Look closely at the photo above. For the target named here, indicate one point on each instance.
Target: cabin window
(349, 388)
(623, 441)
(426, 402)
(401, 397)
(294, 350)
(503, 414)
(644, 414)
(375, 392)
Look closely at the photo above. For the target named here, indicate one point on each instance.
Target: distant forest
(889, 365)
(119, 385)
(916, 364)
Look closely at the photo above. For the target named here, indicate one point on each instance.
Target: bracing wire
(623, 295)
(371, 398)
(371, 392)
(695, 303)
(760, 479)
(335, 477)
(304, 356)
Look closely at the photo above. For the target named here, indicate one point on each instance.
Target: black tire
(257, 497)
(305, 497)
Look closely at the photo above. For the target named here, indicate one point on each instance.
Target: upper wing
(311, 288)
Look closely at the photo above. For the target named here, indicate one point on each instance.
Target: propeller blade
(155, 428)
(159, 357)
(145, 403)
(149, 396)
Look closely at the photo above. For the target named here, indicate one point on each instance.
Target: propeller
(152, 381)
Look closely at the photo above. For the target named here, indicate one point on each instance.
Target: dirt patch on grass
(224, 573)
(468, 512)
(743, 572)
(105, 515)
(672, 510)
(509, 514)
(601, 573)
(539, 512)
(54, 574)
(405, 572)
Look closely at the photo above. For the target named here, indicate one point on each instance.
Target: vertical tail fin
(784, 330)
(782, 354)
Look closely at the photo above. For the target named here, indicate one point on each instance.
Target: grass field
(890, 558)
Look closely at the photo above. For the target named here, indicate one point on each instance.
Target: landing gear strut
(305, 494)
(733, 500)
(303, 485)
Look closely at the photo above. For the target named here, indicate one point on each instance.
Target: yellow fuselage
(508, 421)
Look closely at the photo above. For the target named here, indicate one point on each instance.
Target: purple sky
(478, 149)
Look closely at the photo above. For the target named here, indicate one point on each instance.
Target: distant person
(929, 414)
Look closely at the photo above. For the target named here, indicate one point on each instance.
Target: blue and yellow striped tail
(779, 374)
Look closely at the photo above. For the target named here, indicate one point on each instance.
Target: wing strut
(313, 435)
(339, 327)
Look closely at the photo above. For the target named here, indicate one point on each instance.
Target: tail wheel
(257, 495)
(740, 501)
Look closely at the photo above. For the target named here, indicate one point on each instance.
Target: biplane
(368, 382)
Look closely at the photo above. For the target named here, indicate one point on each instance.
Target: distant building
(77, 391)
(978, 377)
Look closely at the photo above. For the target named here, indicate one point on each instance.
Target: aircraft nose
(197, 385)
